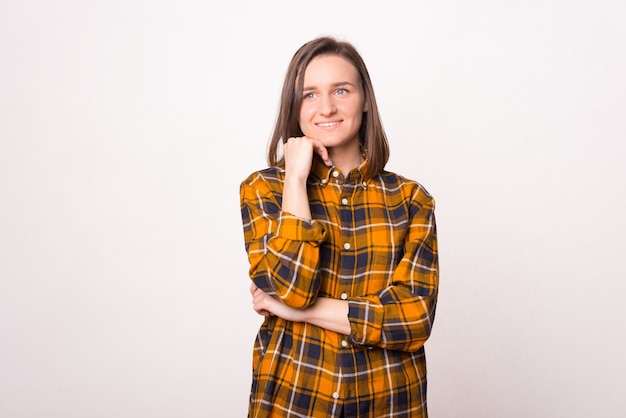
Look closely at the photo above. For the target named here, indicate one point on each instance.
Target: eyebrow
(338, 84)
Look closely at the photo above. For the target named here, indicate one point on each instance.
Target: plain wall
(127, 126)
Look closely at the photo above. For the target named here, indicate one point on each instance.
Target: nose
(327, 105)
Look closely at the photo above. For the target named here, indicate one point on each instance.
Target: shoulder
(267, 180)
(410, 189)
(266, 175)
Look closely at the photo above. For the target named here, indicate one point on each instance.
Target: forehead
(325, 69)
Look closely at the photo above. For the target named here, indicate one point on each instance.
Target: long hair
(372, 136)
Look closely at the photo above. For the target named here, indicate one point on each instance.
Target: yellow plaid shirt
(372, 243)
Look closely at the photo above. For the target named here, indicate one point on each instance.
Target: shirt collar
(321, 173)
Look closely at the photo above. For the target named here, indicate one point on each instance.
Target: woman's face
(332, 102)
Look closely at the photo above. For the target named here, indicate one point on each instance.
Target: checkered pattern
(371, 242)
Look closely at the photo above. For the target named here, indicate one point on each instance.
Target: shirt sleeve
(283, 249)
(400, 316)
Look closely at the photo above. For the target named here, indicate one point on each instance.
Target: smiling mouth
(328, 124)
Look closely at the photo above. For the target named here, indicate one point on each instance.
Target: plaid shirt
(372, 243)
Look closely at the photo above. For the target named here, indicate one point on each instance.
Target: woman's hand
(266, 305)
(298, 160)
(298, 152)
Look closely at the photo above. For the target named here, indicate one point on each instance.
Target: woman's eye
(342, 91)
(309, 95)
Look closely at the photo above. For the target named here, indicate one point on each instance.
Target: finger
(258, 297)
(322, 151)
(262, 312)
(253, 288)
(294, 142)
(297, 153)
(259, 305)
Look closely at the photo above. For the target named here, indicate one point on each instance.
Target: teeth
(327, 124)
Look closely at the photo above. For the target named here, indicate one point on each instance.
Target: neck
(346, 159)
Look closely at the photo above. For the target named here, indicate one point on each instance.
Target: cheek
(305, 116)
(358, 117)
(305, 111)
(354, 109)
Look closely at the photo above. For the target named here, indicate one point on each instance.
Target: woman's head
(371, 134)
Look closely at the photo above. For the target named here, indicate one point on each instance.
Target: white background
(126, 127)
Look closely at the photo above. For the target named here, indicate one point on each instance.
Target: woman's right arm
(282, 240)
(283, 249)
(298, 159)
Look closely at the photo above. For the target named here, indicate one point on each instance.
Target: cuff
(299, 229)
(366, 319)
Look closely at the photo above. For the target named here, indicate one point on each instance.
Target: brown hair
(371, 134)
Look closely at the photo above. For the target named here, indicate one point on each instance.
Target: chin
(331, 143)
(337, 142)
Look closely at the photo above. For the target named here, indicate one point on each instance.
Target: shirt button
(364, 184)
(335, 173)
(336, 395)
(344, 343)
(324, 181)
(346, 246)
(344, 296)
(344, 201)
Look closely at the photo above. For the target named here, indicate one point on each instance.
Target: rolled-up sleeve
(400, 316)
(283, 249)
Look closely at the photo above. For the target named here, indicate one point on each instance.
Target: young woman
(343, 254)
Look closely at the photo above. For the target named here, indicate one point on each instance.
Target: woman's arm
(283, 249)
(330, 314)
(281, 240)
(298, 159)
(400, 316)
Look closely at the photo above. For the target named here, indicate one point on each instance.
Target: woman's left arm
(400, 316)
(330, 314)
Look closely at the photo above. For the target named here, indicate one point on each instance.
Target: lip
(331, 124)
